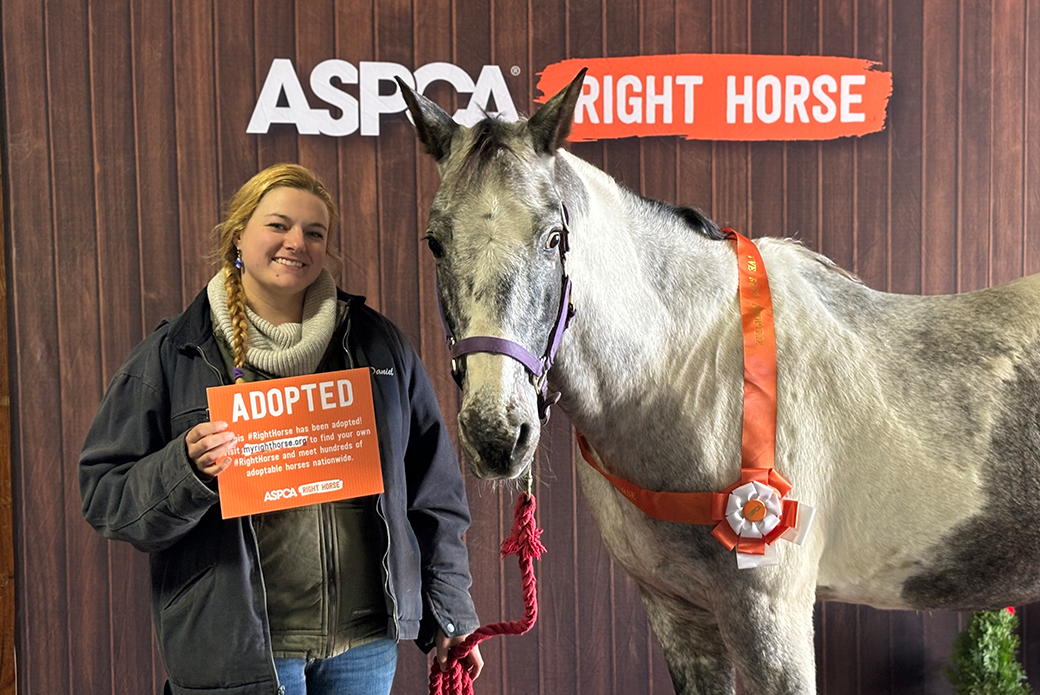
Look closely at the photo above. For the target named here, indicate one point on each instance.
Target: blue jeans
(365, 670)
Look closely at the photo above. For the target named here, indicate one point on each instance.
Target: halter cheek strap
(537, 367)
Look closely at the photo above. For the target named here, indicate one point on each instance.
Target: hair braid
(236, 303)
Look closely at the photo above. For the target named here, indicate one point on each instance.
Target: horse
(910, 423)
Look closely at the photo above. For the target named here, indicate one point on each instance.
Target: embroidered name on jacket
(389, 371)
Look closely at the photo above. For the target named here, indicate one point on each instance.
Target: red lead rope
(522, 542)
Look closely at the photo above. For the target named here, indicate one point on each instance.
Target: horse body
(910, 423)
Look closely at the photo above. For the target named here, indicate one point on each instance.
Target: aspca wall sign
(282, 99)
(696, 96)
(724, 96)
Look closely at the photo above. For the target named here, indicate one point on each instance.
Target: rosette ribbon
(752, 514)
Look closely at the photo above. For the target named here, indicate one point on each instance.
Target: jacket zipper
(388, 585)
(331, 594)
(396, 633)
(256, 543)
(202, 354)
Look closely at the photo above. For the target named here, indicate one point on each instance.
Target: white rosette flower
(753, 510)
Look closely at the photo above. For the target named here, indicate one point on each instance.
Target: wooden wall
(124, 130)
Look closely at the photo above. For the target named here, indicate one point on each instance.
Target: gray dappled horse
(910, 423)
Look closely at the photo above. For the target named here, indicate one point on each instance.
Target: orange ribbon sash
(759, 493)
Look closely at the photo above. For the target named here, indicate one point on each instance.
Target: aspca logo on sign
(276, 495)
(377, 92)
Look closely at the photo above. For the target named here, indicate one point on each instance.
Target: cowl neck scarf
(291, 349)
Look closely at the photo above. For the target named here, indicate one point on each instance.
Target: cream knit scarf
(291, 349)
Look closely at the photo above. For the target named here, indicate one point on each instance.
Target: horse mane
(698, 221)
(691, 217)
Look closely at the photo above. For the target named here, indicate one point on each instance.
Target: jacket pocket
(184, 613)
(173, 595)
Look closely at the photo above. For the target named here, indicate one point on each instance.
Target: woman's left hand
(473, 662)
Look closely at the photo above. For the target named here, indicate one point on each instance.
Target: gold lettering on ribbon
(760, 331)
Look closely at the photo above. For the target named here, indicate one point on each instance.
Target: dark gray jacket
(208, 602)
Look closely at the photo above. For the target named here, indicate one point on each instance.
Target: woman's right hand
(208, 447)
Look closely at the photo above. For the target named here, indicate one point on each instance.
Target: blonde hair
(239, 211)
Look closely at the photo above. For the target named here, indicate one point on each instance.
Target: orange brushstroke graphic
(723, 96)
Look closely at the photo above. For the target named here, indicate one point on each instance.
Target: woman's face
(283, 250)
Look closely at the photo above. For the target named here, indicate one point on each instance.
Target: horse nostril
(523, 438)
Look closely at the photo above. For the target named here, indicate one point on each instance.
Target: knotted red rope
(522, 542)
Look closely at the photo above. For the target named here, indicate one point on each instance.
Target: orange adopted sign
(723, 96)
(301, 440)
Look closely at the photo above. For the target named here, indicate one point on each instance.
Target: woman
(313, 599)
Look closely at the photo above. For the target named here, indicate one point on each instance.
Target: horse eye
(435, 246)
(553, 241)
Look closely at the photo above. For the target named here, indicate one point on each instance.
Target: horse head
(497, 231)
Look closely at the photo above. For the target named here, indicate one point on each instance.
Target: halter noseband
(537, 367)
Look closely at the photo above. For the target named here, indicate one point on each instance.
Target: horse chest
(669, 558)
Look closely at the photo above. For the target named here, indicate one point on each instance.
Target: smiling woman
(282, 249)
(313, 598)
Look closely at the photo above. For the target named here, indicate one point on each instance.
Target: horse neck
(654, 301)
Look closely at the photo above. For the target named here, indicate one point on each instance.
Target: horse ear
(550, 127)
(433, 125)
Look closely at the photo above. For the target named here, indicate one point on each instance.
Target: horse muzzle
(498, 421)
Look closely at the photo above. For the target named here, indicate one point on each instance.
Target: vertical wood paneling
(124, 133)
(732, 201)
(767, 158)
(802, 175)
(906, 151)
(43, 653)
(197, 158)
(1008, 150)
(837, 159)
(238, 80)
(872, 166)
(8, 676)
(1031, 176)
(941, 156)
(1030, 648)
(975, 183)
(841, 649)
(158, 206)
(939, 632)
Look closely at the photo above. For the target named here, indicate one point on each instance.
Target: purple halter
(538, 367)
